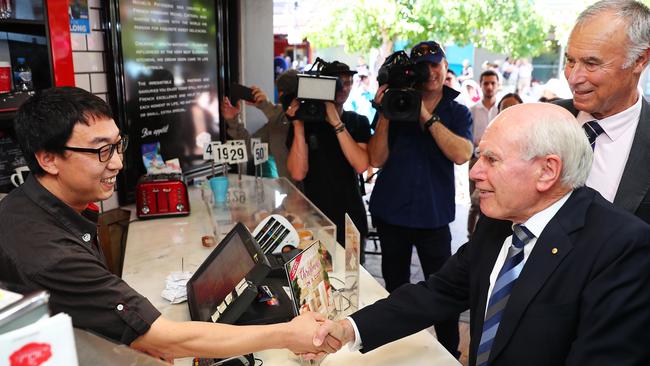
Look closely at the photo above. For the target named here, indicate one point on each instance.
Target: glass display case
(249, 200)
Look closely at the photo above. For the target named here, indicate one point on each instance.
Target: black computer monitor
(237, 256)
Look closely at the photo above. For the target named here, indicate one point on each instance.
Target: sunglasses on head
(424, 50)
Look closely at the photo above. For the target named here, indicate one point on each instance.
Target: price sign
(236, 152)
(220, 153)
(207, 151)
(260, 153)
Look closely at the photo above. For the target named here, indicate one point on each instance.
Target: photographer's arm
(378, 144)
(273, 112)
(355, 153)
(457, 149)
(297, 163)
(231, 114)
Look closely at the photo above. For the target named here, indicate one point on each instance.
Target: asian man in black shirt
(48, 237)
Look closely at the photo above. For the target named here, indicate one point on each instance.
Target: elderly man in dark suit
(567, 285)
(607, 52)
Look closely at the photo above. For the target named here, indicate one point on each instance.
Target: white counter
(159, 246)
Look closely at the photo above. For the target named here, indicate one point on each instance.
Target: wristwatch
(434, 118)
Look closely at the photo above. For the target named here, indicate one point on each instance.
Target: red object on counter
(31, 354)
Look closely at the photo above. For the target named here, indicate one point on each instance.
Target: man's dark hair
(450, 71)
(488, 73)
(45, 121)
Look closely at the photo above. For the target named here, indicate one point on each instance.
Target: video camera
(401, 101)
(314, 90)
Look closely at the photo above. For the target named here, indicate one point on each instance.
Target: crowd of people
(554, 272)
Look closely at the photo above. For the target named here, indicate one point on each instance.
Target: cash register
(224, 288)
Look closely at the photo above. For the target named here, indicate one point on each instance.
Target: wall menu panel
(169, 65)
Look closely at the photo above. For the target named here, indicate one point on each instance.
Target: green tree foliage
(510, 27)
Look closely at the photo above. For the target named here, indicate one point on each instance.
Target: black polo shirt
(45, 244)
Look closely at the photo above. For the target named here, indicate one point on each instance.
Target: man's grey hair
(637, 17)
(561, 135)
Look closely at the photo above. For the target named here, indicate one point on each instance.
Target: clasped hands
(312, 336)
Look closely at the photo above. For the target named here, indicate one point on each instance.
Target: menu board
(169, 66)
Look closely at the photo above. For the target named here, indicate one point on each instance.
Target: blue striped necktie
(592, 130)
(501, 291)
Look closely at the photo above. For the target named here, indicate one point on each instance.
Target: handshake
(312, 336)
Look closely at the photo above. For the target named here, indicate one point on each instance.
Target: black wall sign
(169, 71)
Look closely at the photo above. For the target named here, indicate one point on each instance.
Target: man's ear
(48, 161)
(549, 173)
(641, 62)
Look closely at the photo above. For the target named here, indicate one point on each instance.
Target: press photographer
(328, 152)
(274, 132)
(412, 202)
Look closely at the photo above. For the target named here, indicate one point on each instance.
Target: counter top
(159, 246)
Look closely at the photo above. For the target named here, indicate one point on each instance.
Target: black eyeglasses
(425, 49)
(104, 153)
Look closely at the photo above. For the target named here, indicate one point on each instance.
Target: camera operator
(328, 155)
(413, 200)
(274, 132)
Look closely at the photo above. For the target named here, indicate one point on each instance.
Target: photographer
(413, 200)
(328, 155)
(274, 132)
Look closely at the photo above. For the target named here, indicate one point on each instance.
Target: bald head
(542, 129)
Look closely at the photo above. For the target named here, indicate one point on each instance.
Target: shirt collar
(536, 223)
(480, 104)
(449, 93)
(81, 225)
(616, 125)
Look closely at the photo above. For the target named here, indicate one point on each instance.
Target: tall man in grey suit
(607, 52)
(569, 285)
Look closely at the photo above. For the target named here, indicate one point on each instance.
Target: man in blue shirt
(413, 200)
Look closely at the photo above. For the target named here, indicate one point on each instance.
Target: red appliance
(161, 195)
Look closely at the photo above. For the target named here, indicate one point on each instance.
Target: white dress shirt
(612, 148)
(482, 118)
(535, 224)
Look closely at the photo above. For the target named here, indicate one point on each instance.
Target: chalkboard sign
(169, 72)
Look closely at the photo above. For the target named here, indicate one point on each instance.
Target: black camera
(401, 102)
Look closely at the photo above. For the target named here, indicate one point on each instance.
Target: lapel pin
(554, 250)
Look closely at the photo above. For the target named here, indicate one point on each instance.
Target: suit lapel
(636, 175)
(490, 242)
(551, 248)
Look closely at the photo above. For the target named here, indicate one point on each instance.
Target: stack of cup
(219, 186)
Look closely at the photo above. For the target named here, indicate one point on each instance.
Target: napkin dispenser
(162, 195)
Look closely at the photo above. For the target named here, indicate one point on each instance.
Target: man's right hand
(379, 96)
(332, 334)
(229, 111)
(259, 96)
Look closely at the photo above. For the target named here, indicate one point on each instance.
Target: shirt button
(120, 307)
(86, 237)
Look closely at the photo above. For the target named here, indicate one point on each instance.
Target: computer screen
(231, 261)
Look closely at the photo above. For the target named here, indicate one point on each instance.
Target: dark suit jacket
(588, 304)
(634, 190)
